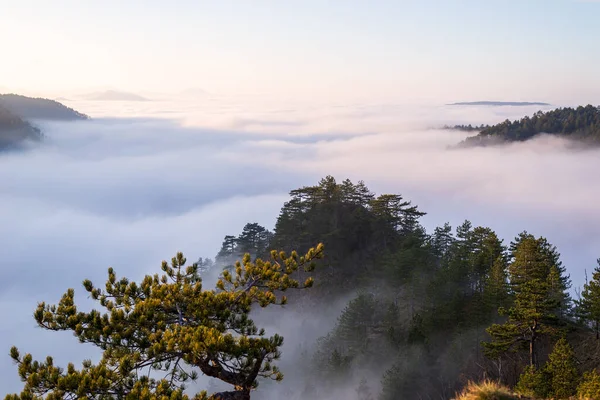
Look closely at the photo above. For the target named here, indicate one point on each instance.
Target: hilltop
(499, 103)
(580, 124)
(114, 95)
(14, 130)
(39, 108)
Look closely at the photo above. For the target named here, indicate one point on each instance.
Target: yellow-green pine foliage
(562, 368)
(534, 382)
(589, 388)
(171, 325)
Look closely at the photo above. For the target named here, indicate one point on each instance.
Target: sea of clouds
(143, 180)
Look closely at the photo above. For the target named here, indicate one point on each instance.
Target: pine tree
(441, 241)
(355, 323)
(254, 239)
(588, 307)
(534, 312)
(229, 251)
(496, 292)
(534, 382)
(589, 388)
(167, 325)
(562, 369)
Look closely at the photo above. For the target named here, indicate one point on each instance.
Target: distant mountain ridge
(580, 124)
(39, 108)
(498, 103)
(115, 95)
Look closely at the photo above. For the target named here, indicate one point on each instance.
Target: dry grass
(486, 390)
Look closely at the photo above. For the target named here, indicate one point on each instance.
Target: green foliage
(562, 369)
(558, 378)
(169, 324)
(356, 226)
(589, 388)
(539, 292)
(588, 307)
(534, 382)
(578, 123)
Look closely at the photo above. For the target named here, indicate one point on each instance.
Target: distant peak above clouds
(114, 95)
(499, 103)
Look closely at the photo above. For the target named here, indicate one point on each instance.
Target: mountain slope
(14, 131)
(39, 108)
(113, 95)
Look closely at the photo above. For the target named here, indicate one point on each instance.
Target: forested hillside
(431, 311)
(428, 312)
(581, 123)
(14, 131)
(39, 108)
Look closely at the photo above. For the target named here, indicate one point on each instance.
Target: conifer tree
(562, 369)
(588, 307)
(589, 388)
(441, 241)
(534, 382)
(229, 251)
(496, 293)
(167, 324)
(534, 312)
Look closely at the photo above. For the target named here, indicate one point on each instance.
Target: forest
(39, 108)
(581, 124)
(428, 314)
(14, 130)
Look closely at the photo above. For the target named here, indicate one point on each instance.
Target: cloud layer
(143, 181)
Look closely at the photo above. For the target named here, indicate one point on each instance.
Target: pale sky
(441, 50)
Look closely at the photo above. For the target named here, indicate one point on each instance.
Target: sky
(421, 50)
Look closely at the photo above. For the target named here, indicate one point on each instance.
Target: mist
(142, 181)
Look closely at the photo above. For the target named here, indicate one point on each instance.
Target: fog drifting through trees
(130, 192)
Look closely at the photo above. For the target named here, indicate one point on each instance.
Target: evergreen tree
(534, 382)
(254, 239)
(229, 251)
(588, 308)
(589, 388)
(167, 324)
(534, 312)
(356, 322)
(441, 241)
(496, 285)
(563, 371)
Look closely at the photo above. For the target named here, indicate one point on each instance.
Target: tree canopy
(168, 324)
(422, 314)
